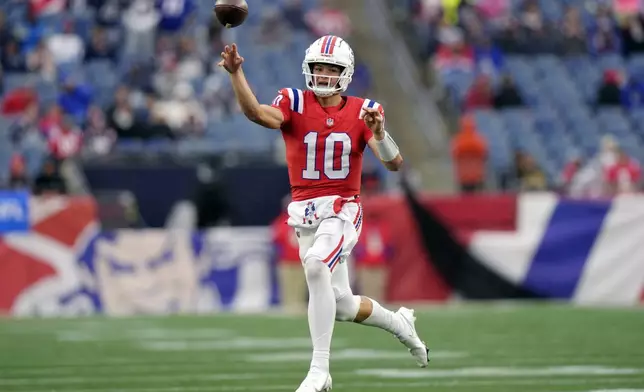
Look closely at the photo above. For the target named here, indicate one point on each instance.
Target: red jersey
(285, 240)
(324, 146)
(625, 175)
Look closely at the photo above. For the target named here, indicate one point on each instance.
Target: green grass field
(498, 348)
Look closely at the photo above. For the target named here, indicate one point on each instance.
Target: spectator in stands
(624, 176)
(26, 123)
(121, 116)
(108, 15)
(18, 173)
(327, 20)
(632, 35)
(570, 171)
(52, 119)
(573, 40)
(46, 7)
(450, 10)
(590, 182)
(218, 97)
(183, 112)
(18, 100)
(29, 32)
(174, 14)
(530, 176)
(99, 47)
(294, 15)
(66, 46)
(49, 181)
(494, 11)
(190, 65)
(12, 60)
(603, 35)
(488, 57)
(632, 93)
(75, 97)
(539, 34)
(5, 31)
(469, 154)
(98, 137)
(507, 95)
(454, 53)
(140, 76)
(140, 22)
(480, 94)
(41, 61)
(610, 91)
(510, 37)
(65, 141)
(165, 78)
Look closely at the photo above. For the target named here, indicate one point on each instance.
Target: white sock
(384, 319)
(322, 309)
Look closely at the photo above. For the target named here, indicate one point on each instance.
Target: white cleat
(316, 382)
(409, 337)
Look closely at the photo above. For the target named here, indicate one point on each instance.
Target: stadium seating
(267, 70)
(560, 116)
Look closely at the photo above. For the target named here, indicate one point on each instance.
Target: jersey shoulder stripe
(296, 96)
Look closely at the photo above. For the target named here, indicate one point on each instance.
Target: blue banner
(14, 211)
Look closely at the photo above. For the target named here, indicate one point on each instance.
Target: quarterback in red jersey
(325, 134)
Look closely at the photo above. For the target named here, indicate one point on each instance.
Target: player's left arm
(381, 142)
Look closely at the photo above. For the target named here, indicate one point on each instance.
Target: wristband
(387, 148)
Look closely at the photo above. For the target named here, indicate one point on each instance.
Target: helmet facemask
(336, 85)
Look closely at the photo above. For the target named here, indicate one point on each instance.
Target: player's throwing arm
(263, 115)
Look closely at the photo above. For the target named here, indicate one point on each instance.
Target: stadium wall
(478, 247)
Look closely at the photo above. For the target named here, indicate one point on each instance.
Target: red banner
(411, 275)
(46, 254)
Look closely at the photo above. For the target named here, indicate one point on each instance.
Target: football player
(325, 134)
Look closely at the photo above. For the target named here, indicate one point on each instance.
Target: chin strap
(387, 148)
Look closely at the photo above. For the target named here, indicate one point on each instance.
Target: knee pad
(314, 268)
(347, 307)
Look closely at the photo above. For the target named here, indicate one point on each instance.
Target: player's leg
(367, 311)
(318, 262)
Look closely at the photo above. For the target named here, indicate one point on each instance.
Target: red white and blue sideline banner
(66, 266)
(532, 246)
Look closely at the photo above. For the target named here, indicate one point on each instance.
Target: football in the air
(231, 13)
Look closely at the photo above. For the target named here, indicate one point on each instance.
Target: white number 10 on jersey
(313, 173)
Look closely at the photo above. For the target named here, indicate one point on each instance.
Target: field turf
(493, 347)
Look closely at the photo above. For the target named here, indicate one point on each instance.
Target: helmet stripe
(332, 44)
(324, 42)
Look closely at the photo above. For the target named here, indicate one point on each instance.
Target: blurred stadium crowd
(549, 92)
(91, 78)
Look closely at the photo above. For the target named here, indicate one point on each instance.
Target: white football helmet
(329, 50)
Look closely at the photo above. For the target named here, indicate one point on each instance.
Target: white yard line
(372, 385)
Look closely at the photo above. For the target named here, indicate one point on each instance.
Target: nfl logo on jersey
(329, 122)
